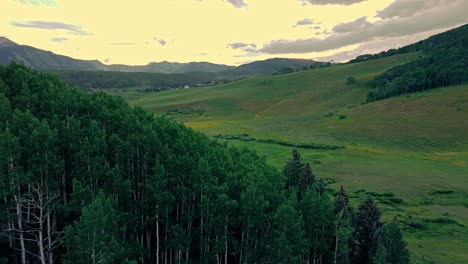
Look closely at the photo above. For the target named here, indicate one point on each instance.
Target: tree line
(95, 80)
(444, 62)
(85, 178)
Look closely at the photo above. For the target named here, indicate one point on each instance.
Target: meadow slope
(413, 146)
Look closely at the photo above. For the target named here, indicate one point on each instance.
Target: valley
(411, 145)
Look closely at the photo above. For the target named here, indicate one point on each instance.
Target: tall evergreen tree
(367, 223)
(298, 174)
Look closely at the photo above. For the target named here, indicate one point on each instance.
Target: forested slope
(84, 178)
(445, 63)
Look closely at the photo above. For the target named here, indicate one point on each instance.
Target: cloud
(240, 45)
(38, 2)
(161, 41)
(331, 2)
(237, 3)
(305, 21)
(72, 29)
(406, 8)
(358, 24)
(59, 40)
(203, 53)
(361, 30)
(249, 48)
(123, 43)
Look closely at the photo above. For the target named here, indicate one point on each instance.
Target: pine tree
(299, 175)
(294, 170)
(367, 223)
(342, 201)
(307, 179)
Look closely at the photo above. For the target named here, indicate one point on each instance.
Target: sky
(224, 31)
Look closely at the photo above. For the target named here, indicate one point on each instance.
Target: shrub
(350, 80)
(417, 223)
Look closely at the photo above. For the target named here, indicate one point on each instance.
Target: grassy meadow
(410, 152)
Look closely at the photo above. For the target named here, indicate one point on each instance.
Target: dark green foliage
(367, 222)
(350, 80)
(246, 137)
(299, 175)
(145, 81)
(288, 236)
(391, 248)
(417, 222)
(343, 228)
(285, 71)
(111, 183)
(445, 64)
(96, 237)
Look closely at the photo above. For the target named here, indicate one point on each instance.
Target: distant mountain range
(46, 60)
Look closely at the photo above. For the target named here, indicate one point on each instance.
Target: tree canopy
(85, 178)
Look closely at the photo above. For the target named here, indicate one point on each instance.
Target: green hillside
(415, 146)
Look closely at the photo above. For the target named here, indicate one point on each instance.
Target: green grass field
(413, 146)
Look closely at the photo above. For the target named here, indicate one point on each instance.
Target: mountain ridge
(47, 60)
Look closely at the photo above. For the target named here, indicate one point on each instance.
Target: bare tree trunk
(242, 250)
(226, 241)
(157, 238)
(49, 238)
(336, 249)
(64, 187)
(20, 230)
(40, 239)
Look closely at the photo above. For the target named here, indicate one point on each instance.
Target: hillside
(41, 59)
(269, 67)
(444, 63)
(85, 178)
(413, 145)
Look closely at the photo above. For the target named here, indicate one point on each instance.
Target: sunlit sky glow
(223, 31)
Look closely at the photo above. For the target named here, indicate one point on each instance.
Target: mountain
(46, 60)
(172, 67)
(269, 66)
(41, 59)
